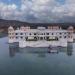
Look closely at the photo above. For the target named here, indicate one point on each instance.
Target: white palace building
(41, 36)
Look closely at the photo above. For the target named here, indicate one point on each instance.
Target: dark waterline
(35, 61)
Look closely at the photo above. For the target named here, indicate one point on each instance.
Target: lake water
(35, 61)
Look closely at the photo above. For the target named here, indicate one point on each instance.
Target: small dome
(11, 27)
(71, 27)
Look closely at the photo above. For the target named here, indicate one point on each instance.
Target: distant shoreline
(4, 24)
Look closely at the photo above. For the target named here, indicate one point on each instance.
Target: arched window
(65, 36)
(34, 33)
(60, 37)
(52, 34)
(47, 33)
(16, 33)
(60, 33)
(21, 33)
(21, 37)
(16, 37)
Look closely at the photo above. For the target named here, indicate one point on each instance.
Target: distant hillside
(6, 23)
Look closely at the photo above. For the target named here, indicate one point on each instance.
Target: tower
(70, 33)
(11, 34)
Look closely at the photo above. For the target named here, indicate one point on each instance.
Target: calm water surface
(35, 61)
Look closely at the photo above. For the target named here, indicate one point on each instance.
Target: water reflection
(13, 50)
(70, 49)
(41, 52)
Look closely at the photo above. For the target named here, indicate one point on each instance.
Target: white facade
(40, 37)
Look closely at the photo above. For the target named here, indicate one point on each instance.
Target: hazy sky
(38, 10)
